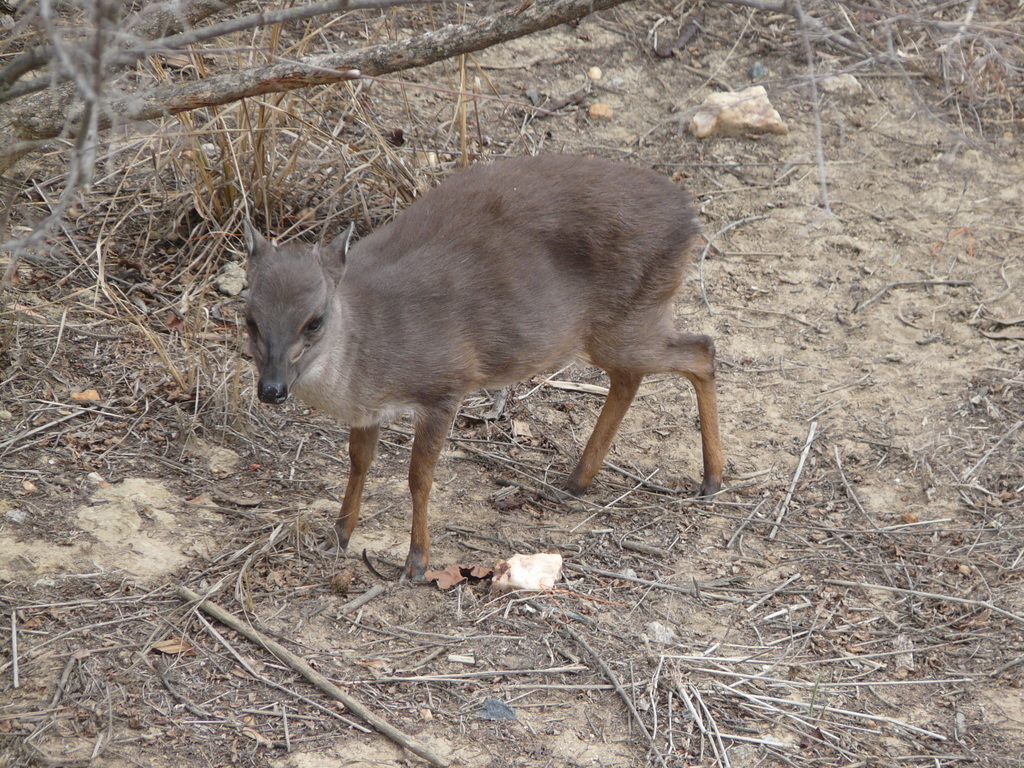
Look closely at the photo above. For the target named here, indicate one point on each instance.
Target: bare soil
(853, 598)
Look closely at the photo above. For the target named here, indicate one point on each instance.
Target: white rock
(530, 572)
(734, 113)
(846, 84)
(16, 516)
(659, 633)
(231, 279)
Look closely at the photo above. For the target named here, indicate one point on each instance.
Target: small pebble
(659, 633)
(533, 96)
(16, 516)
(493, 709)
(594, 73)
(601, 112)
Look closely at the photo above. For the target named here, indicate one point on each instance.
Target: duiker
(505, 270)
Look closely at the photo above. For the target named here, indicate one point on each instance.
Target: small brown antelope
(504, 271)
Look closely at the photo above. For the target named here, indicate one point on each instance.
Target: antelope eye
(314, 325)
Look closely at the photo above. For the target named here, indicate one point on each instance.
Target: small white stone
(845, 83)
(231, 279)
(660, 633)
(16, 516)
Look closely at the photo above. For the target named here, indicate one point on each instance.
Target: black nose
(273, 392)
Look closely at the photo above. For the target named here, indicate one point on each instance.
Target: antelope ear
(255, 243)
(332, 256)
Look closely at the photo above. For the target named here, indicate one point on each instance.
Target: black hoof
(709, 488)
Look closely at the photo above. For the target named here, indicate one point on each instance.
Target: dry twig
(302, 667)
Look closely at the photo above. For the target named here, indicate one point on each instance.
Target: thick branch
(168, 18)
(189, 37)
(54, 113)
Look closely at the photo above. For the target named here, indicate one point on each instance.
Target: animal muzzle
(273, 392)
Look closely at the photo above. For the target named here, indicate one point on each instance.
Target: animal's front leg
(431, 430)
(362, 448)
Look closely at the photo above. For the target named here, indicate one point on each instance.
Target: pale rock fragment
(657, 632)
(231, 279)
(845, 84)
(527, 572)
(734, 113)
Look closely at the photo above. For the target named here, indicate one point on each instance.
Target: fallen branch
(299, 665)
(57, 111)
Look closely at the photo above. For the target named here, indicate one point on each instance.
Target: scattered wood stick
(931, 595)
(699, 717)
(363, 599)
(268, 682)
(908, 284)
(692, 591)
(482, 674)
(302, 667)
(971, 472)
(835, 710)
(796, 478)
(614, 680)
(14, 647)
(665, 49)
(707, 248)
(576, 386)
(767, 595)
(647, 549)
(571, 98)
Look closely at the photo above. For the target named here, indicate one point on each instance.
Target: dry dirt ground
(853, 598)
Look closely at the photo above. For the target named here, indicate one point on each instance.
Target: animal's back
(611, 238)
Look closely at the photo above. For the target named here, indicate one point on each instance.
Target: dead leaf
(174, 322)
(521, 429)
(88, 396)
(446, 578)
(812, 737)
(252, 734)
(909, 517)
(174, 645)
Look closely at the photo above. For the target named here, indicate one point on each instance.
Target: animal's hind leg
(624, 385)
(693, 356)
